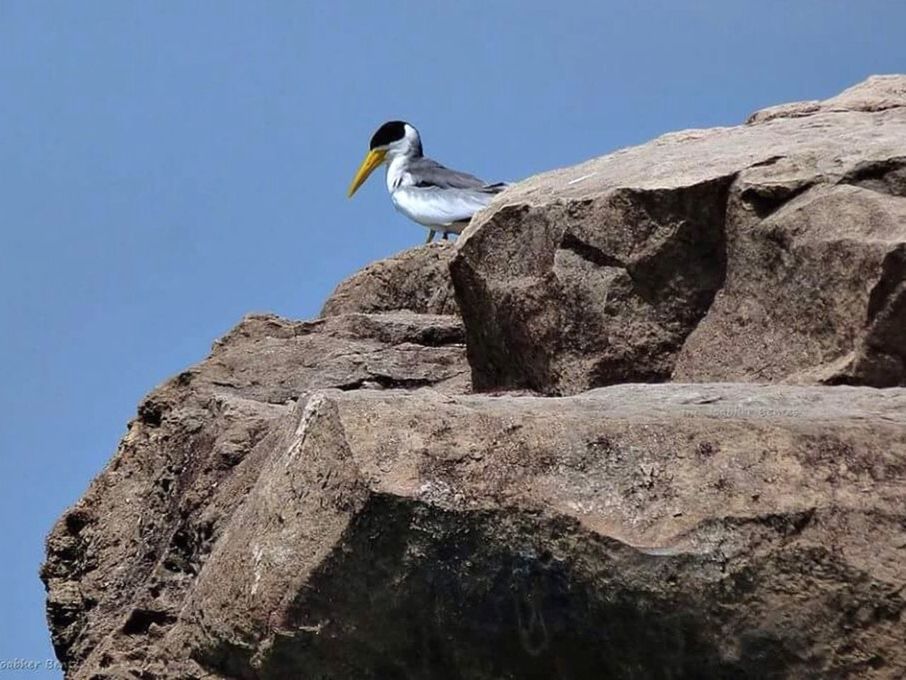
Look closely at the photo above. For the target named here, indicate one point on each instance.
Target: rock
(417, 280)
(634, 531)
(877, 93)
(325, 499)
(772, 251)
(121, 562)
(816, 293)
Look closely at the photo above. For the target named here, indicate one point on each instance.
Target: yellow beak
(374, 158)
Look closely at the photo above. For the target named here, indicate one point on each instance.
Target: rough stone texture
(120, 563)
(816, 293)
(877, 93)
(325, 499)
(635, 531)
(773, 251)
(417, 279)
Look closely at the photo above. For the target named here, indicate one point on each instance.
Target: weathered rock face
(774, 251)
(326, 499)
(655, 532)
(120, 563)
(636, 531)
(417, 280)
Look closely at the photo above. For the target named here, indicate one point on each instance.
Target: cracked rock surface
(689, 460)
(121, 562)
(772, 251)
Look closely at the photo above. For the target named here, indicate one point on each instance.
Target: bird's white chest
(397, 175)
(406, 198)
(412, 205)
(430, 206)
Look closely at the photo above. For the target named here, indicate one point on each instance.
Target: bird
(434, 196)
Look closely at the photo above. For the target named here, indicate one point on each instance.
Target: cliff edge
(645, 419)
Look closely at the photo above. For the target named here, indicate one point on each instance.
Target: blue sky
(166, 167)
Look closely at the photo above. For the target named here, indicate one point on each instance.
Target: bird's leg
(430, 238)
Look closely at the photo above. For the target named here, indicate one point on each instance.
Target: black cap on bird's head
(389, 132)
(394, 137)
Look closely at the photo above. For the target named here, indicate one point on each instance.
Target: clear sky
(166, 167)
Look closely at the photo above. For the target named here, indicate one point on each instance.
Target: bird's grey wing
(428, 173)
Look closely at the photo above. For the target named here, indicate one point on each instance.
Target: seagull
(423, 190)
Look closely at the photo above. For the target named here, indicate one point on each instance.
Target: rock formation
(341, 498)
(417, 280)
(774, 251)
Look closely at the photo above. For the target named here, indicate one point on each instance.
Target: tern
(436, 197)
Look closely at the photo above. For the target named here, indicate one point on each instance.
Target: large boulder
(726, 531)
(773, 251)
